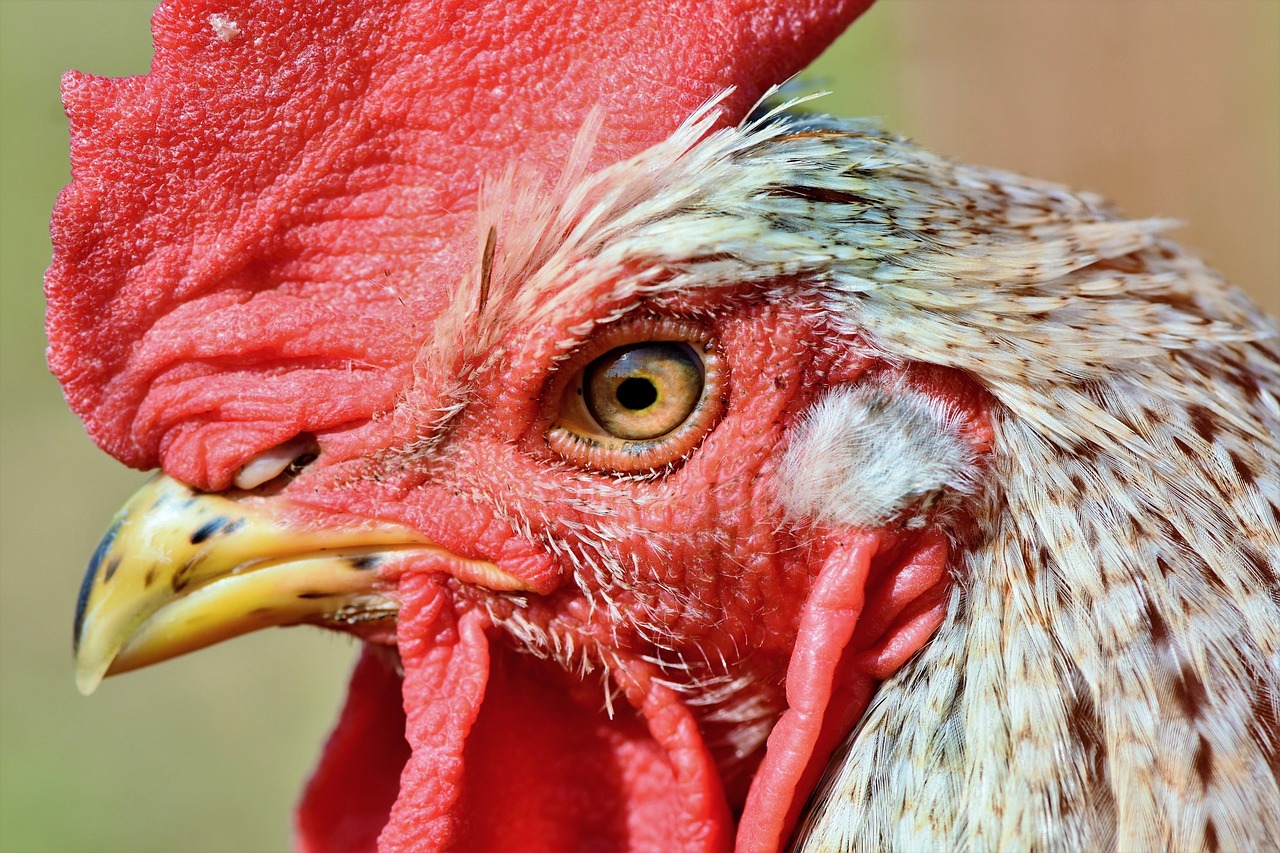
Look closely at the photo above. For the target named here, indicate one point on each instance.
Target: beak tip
(180, 570)
(88, 679)
(94, 658)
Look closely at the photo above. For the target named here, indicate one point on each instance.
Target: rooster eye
(645, 390)
(641, 397)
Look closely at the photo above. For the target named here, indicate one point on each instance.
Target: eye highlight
(638, 398)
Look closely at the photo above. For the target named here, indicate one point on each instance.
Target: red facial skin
(507, 747)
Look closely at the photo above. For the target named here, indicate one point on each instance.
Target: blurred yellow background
(1169, 107)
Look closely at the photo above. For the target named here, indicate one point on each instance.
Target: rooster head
(646, 445)
(442, 328)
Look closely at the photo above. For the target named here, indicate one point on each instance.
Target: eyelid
(574, 434)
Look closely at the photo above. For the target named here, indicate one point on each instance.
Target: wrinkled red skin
(754, 592)
(260, 230)
(257, 240)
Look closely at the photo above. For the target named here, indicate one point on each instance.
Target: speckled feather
(1108, 673)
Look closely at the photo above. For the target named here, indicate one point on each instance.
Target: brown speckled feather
(1109, 672)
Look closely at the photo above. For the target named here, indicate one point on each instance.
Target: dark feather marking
(1248, 383)
(1211, 837)
(1211, 577)
(1190, 692)
(1203, 422)
(1204, 762)
(1084, 726)
(1175, 537)
(1246, 475)
(1029, 565)
(820, 195)
(486, 264)
(1261, 567)
(1178, 301)
(1085, 450)
(1159, 628)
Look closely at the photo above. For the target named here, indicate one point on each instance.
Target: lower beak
(180, 570)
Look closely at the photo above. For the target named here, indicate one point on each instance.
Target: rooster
(695, 481)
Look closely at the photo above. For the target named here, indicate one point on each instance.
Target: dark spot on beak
(181, 577)
(232, 526)
(151, 576)
(311, 595)
(90, 573)
(208, 529)
(111, 569)
(366, 562)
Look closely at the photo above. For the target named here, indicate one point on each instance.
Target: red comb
(260, 229)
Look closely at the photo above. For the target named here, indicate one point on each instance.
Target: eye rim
(582, 440)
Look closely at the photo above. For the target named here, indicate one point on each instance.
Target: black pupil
(636, 394)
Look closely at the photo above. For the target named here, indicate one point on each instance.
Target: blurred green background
(1170, 108)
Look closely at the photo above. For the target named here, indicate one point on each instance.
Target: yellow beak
(180, 570)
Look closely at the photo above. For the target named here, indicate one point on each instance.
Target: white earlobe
(864, 454)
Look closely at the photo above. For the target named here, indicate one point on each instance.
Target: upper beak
(179, 570)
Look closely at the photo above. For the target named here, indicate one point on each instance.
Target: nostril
(288, 458)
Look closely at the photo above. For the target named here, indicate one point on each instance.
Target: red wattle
(510, 752)
(823, 698)
(446, 669)
(858, 625)
(347, 801)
